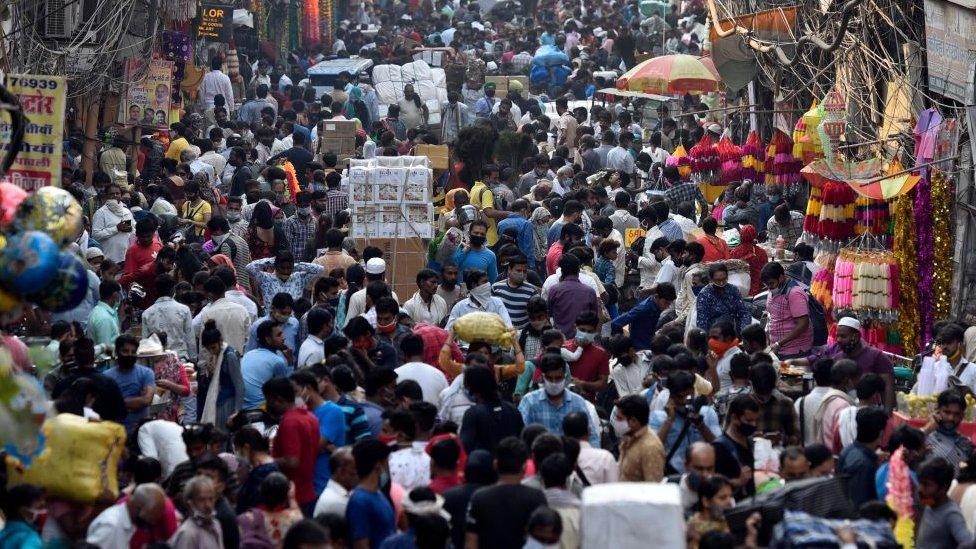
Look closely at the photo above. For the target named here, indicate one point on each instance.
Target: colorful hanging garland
(871, 216)
(901, 498)
(942, 201)
(785, 169)
(926, 254)
(730, 156)
(905, 251)
(705, 161)
(866, 284)
(679, 158)
(753, 157)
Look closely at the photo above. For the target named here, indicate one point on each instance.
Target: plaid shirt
(791, 233)
(336, 202)
(683, 192)
(536, 408)
(777, 415)
(299, 231)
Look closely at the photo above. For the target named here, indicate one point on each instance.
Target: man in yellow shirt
(179, 144)
(483, 199)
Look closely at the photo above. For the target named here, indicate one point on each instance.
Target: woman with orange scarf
(752, 254)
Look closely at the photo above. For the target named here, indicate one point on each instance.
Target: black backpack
(818, 316)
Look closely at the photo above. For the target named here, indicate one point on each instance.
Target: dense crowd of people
(276, 391)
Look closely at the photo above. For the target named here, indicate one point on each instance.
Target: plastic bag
(80, 461)
(487, 327)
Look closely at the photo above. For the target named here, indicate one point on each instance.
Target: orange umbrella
(671, 74)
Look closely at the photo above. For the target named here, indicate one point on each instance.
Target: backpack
(816, 312)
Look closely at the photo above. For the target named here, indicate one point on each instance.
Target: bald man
(699, 463)
(793, 464)
(115, 526)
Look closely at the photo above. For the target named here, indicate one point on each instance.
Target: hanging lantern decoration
(806, 138)
(834, 121)
(705, 162)
(753, 156)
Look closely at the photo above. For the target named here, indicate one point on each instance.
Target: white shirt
(619, 158)
(597, 464)
(283, 81)
(629, 380)
(215, 160)
(333, 500)
(357, 304)
(847, 425)
(454, 402)
(431, 380)
(668, 273)
(111, 528)
(163, 440)
(198, 166)
(105, 230)
(811, 403)
(216, 83)
(619, 264)
(232, 320)
(239, 297)
(410, 467)
(723, 367)
(553, 279)
(429, 313)
(311, 352)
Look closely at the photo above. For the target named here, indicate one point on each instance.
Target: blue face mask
(773, 198)
(584, 338)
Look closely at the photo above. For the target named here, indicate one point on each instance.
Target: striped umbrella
(671, 74)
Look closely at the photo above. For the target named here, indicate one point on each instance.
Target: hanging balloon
(10, 197)
(23, 407)
(67, 289)
(28, 262)
(51, 210)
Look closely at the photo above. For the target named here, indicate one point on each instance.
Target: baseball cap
(375, 266)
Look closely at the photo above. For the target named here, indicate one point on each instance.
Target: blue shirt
(672, 231)
(289, 329)
(881, 480)
(482, 260)
(132, 384)
(858, 463)
(332, 427)
(642, 319)
(369, 515)
(658, 417)
(257, 367)
(714, 304)
(357, 426)
(554, 232)
(524, 238)
(536, 408)
(484, 106)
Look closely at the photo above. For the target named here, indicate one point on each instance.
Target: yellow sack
(79, 461)
(487, 327)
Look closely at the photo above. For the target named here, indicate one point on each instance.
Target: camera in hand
(691, 407)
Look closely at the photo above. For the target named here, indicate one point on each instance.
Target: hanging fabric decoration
(822, 285)
(730, 156)
(310, 21)
(865, 284)
(942, 205)
(905, 247)
(871, 216)
(926, 256)
(753, 155)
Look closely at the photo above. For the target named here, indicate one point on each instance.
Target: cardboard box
(439, 155)
(501, 83)
(337, 136)
(404, 257)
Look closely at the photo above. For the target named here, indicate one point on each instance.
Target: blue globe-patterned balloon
(28, 262)
(52, 210)
(67, 289)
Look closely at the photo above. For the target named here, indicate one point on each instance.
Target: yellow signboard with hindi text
(42, 99)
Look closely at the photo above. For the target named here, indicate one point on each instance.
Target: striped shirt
(515, 300)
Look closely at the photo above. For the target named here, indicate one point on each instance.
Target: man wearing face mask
(300, 228)
(848, 344)
(228, 243)
(367, 347)
(554, 401)
(103, 322)
(201, 528)
(630, 368)
(733, 450)
(232, 213)
(774, 197)
(332, 424)
(296, 445)
(700, 464)
(115, 526)
(679, 424)
(388, 329)
(112, 224)
(721, 301)
(449, 289)
(475, 255)
(591, 368)
(282, 307)
(136, 382)
(641, 451)
(539, 172)
(515, 292)
(643, 317)
(943, 437)
(369, 513)
(479, 299)
(289, 276)
(777, 418)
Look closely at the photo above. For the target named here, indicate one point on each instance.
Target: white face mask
(482, 293)
(620, 426)
(553, 389)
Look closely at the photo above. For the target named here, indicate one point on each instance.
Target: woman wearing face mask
(722, 346)
(222, 386)
(714, 498)
(23, 506)
(265, 238)
(541, 219)
(195, 212)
